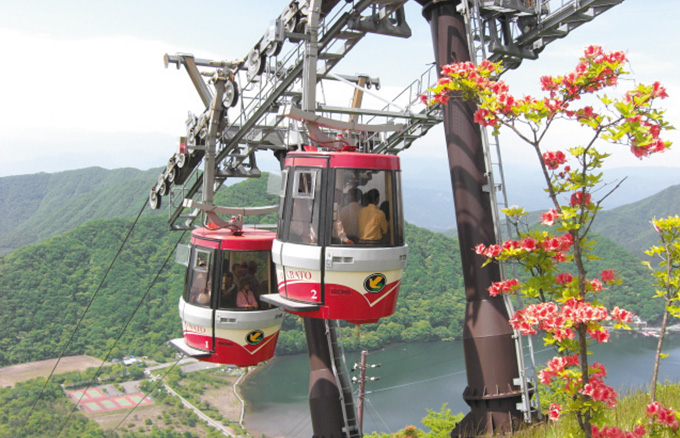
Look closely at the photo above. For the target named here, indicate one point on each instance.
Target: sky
(83, 83)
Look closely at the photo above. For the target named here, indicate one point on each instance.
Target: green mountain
(47, 287)
(42, 205)
(39, 206)
(630, 225)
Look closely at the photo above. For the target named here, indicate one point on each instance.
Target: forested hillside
(36, 207)
(39, 206)
(46, 287)
(630, 225)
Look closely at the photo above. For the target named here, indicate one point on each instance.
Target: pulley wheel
(291, 24)
(162, 187)
(273, 48)
(154, 200)
(171, 174)
(256, 62)
(180, 160)
(230, 94)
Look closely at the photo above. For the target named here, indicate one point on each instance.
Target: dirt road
(9, 376)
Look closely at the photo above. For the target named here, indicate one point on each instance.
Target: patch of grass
(630, 409)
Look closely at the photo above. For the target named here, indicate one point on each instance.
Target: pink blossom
(668, 418)
(592, 51)
(493, 251)
(583, 312)
(503, 287)
(580, 198)
(614, 432)
(663, 415)
(528, 244)
(480, 249)
(621, 315)
(554, 412)
(553, 160)
(500, 87)
(563, 334)
(598, 391)
(510, 245)
(549, 217)
(607, 275)
(596, 285)
(546, 375)
(600, 335)
(548, 84)
(653, 408)
(488, 65)
(563, 278)
(598, 370)
(658, 90)
(506, 102)
(441, 98)
(485, 117)
(566, 241)
(552, 244)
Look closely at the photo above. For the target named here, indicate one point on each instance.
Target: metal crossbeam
(269, 78)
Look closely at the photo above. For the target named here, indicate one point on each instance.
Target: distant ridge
(429, 201)
(630, 225)
(36, 207)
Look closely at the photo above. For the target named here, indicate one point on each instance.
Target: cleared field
(9, 376)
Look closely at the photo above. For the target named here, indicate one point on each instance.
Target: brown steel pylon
(490, 358)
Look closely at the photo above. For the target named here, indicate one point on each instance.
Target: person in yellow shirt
(349, 214)
(372, 220)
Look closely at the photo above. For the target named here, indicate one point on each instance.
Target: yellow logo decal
(374, 283)
(255, 337)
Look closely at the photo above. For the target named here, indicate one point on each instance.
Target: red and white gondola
(340, 250)
(223, 318)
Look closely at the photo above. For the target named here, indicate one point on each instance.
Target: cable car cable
(82, 317)
(414, 383)
(378, 414)
(151, 391)
(127, 323)
(300, 425)
(416, 367)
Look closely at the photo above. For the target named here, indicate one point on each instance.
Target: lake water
(417, 377)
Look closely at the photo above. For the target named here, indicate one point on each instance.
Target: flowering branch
(567, 310)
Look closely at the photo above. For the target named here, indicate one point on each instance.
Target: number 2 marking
(314, 294)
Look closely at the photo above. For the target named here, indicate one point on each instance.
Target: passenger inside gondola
(254, 279)
(250, 273)
(236, 270)
(246, 298)
(349, 214)
(376, 193)
(372, 220)
(228, 291)
(339, 235)
(199, 293)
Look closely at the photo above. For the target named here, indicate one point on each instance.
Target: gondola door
(299, 250)
(198, 312)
